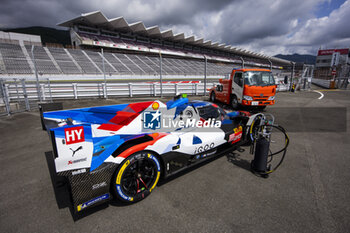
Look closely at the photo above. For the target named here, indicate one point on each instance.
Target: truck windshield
(258, 78)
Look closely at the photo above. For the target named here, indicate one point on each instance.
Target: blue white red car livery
(124, 150)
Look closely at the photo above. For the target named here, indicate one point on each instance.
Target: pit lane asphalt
(308, 193)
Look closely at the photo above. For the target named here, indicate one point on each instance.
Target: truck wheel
(234, 102)
(136, 177)
(260, 108)
(212, 97)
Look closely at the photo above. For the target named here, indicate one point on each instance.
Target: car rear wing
(47, 107)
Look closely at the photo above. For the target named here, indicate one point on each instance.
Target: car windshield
(258, 78)
(209, 111)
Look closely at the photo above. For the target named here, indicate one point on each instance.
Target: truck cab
(247, 87)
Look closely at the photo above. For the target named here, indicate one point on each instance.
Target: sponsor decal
(75, 151)
(76, 161)
(155, 120)
(100, 185)
(121, 171)
(201, 156)
(155, 106)
(158, 174)
(93, 201)
(176, 164)
(210, 123)
(204, 148)
(239, 129)
(78, 172)
(155, 160)
(74, 135)
(119, 190)
(236, 136)
(151, 120)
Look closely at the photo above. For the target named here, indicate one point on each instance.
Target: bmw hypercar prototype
(122, 151)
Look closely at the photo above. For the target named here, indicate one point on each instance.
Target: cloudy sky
(268, 26)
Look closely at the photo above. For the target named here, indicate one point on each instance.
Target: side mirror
(285, 79)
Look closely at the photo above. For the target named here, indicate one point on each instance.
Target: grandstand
(129, 50)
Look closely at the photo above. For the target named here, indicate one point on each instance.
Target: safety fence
(19, 95)
(22, 95)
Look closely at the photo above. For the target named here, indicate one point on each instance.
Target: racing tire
(234, 102)
(136, 177)
(212, 97)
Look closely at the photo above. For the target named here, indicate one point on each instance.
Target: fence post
(42, 86)
(130, 89)
(26, 100)
(154, 90)
(49, 86)
(176, 88)
(18, 98)
(75, 91)
(196, 89)
(5, 97)
(104, 90)
(36, 75)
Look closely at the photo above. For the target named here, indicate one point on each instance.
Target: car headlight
(247, 97)
(272, 98)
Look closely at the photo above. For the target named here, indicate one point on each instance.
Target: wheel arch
(130, 144)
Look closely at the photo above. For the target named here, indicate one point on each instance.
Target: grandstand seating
(43, 62)
(54, 61)
(83, 62)
(14, 59)
(97, 59)
(64, 61)
(129, 63)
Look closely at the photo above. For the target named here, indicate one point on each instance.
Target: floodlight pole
(205, 75)
(103, 65)
(160, 75)
(104, 72)
(270, 64)
(242, 62)
(36, 75)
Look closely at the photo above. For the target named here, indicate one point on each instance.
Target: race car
(123, 150)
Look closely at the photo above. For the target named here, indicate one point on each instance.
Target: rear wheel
(234, 102)
(212, 97)
(136, 177)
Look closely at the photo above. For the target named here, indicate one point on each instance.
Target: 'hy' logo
(74, 135)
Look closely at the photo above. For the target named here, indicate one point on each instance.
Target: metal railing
(20, 95)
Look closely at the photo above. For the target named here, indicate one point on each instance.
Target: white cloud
(269, 26)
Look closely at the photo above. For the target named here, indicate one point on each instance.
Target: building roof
(98, 19)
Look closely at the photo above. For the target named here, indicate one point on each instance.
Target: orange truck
(247, 87)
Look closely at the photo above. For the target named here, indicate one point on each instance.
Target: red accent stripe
(139, 107)
(142, 146)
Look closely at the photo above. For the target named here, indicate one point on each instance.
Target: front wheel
(136, 177)
(234, 102)
(212, 97)
(260, 108)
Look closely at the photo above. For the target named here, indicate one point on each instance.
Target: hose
(284, 149)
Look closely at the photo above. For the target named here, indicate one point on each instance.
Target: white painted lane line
(320, 94)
